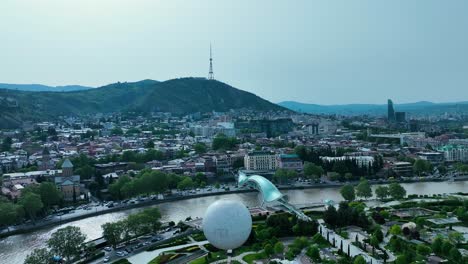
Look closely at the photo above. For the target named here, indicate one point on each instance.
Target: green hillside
(179, 96)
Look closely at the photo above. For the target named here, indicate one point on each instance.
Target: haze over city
(233, 132)
(319, 52)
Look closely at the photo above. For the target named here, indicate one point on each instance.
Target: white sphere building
(227, 224)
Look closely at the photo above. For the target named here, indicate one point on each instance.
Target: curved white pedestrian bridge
(269, 193)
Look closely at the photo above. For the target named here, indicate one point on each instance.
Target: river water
(14, 249)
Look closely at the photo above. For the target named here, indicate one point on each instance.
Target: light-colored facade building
(455, 153)
(260, 161)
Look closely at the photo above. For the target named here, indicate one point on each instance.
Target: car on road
(108, 249)
(106, 259)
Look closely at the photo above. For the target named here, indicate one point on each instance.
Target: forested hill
(179, 96)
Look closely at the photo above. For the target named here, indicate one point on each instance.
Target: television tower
(210, 73)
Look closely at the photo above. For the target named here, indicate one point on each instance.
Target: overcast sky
(324, 52)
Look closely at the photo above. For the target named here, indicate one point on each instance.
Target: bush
(177, 242)
(121, 261)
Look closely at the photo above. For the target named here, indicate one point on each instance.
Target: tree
(395, 230)
(6, 144)
(199, 148)
(456, 237)
(222, 142)
(113, 232)
(292, 174)
(421, 166)
(359, 260)
(281, 175)
(268, 249)
(85, 172)
(31, 203)
(149, 144)
(50, 195)
(455, 255)
(312, 171)
(116, 131)
(396, 191)
(278, 248)
(423, 249)
(379, 234)
(186, 183)
(442, 169)
(347, 192)
(382, 192)
(40, 256)
(363, 189)
(401, 259)
(330, 216)
(437, 245)
(67, 242)
(314, 253)
(374, 241)
(8, 214)
(446, 247)
(152, 217)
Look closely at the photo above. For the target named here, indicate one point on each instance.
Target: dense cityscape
(79, 167)
(239, 132)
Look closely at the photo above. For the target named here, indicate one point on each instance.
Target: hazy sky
(324, 52)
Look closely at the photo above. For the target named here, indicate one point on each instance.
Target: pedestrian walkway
(236, 258)
(344, 244)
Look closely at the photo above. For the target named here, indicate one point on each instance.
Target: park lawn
(199, 237)
(165, 258)
(255, 256)
(199, 261)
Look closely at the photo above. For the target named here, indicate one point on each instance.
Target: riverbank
(174, 198)
(14, 249)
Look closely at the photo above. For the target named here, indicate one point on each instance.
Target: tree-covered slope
(179, 96)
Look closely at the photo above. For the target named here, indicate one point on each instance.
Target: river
(14, 249)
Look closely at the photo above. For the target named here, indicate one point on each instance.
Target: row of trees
(347, 169)
(347, 214)
(133, 226)
(364, 190)
(149, 182)
(409, 253)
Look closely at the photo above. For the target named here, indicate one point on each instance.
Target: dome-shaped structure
(227, 224)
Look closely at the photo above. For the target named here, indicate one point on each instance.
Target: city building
(68, 183)
(455, 153)
(435, 158)
(402, 168)
(289, 162)
(390, 111)
(260, 161)
(400, 117)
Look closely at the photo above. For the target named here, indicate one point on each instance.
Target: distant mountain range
(179, 96)
(418, 108)
(43, 88)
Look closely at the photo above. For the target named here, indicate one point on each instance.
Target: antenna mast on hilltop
(210, 73)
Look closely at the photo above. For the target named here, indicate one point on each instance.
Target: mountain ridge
(376, 109)
(178, 96)
(43, 88)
